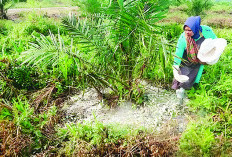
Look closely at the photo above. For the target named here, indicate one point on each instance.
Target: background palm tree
(3, 8)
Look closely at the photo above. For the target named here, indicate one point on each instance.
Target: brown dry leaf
(46, 92)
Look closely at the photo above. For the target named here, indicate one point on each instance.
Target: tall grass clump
(41, 24)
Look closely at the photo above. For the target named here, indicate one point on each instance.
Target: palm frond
(89, 33)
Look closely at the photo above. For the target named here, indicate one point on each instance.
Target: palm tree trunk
(2, 12)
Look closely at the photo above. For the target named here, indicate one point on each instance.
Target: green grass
(58, 60)
(198, 138)
(93, 136)
(43, 4)
(25, 124)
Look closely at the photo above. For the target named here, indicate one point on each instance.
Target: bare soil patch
(56, 12)
(161, 111)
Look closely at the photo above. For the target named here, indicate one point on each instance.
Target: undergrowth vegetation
(91, 138)
(42, 3)
(110, 45)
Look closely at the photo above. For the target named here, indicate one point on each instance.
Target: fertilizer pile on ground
(161, 107)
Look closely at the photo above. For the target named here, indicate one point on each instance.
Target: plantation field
(93, 78)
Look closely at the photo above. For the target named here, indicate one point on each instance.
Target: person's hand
(180, 78)
(204, 63)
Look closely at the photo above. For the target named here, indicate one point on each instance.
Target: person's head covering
(193, 23)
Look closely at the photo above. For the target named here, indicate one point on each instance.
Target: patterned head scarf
(193, 23)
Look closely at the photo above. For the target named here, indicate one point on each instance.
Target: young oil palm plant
(115, 34)
(110, 43)
(198, 7)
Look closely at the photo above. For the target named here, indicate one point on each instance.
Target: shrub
(23, 77)
(197, 7)
(41, 24)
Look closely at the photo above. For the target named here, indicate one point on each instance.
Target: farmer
(187, 68)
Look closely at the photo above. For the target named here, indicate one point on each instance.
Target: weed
(24, 122)
(198, 139)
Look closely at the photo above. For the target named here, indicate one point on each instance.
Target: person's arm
(181, 45)
(208, 32)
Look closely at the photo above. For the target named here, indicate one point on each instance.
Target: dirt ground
(56, 12)
(161, 109)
